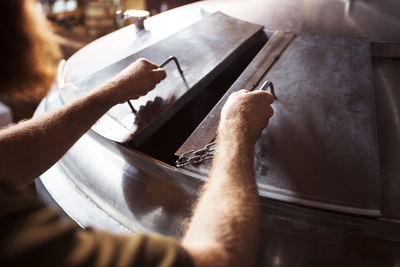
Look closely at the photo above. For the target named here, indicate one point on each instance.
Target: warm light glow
(133, 13)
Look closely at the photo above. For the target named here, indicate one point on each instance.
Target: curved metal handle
(171, 58)
(269, 84)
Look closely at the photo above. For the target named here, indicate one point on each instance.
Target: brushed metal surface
(112, 187)
(387, 91)
(321, 145)
(202, 53)
(292, 235)
(249, 79)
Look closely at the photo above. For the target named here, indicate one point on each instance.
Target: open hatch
(320, 149)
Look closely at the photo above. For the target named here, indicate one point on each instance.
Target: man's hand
(224, 230)
(245, 114)
(134, 81)
(41, 141)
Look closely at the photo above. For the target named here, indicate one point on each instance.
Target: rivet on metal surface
(269, 84)
(171, 58)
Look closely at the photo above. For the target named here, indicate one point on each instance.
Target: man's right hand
(245, 114)
(134, 81)
(225, 227)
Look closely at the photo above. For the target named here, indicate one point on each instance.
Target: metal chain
(196, 156)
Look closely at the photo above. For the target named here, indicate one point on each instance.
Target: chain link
(196, 156)
(200, 155)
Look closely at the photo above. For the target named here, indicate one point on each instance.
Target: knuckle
(265, 97)
(271, 98)
(270, 111)
(144, 62)
(160, 75)
(233, 97)
(263, 94)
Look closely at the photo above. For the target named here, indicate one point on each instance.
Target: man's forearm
(227, 215)
(29, 148)
(226, 222)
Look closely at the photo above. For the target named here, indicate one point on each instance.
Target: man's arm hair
(225, 225)
(29, 148)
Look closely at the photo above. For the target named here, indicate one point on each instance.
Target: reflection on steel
(269, 84)
(197, 155)
(171, 58)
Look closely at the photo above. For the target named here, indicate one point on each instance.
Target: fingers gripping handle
(268, 84)
(169, 59)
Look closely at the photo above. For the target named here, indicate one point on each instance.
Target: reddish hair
(28, 54)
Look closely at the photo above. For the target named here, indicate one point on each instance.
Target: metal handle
(171, 58)
(269, 84)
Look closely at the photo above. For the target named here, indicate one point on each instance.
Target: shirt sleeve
(31, 234)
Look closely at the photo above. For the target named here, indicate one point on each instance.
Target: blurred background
(78, 22)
